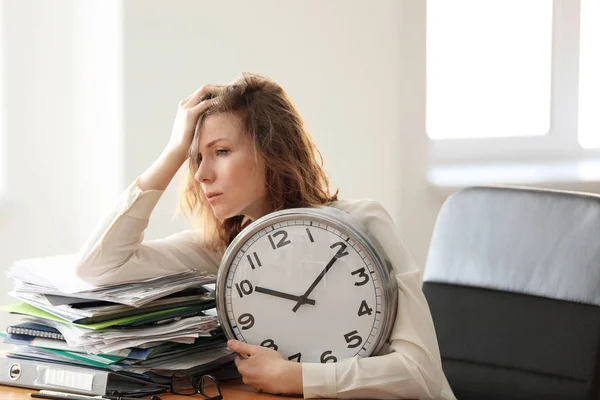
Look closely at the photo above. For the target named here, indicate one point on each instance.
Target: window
(512, 81)
(2, 112)
(488, 68)
(589, 77)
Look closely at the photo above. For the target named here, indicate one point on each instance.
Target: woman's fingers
(243, 347)
(196, 97)
(204, 105)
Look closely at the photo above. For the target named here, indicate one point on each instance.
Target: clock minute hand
(276, 293)
(340, 253)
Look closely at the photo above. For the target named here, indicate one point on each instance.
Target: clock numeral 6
(325, 357)
(361, 274)
(244, 287)
(282, 242)
(297, 356)
(353, 337)
(364, 309)
(269, 343)
(246, 320)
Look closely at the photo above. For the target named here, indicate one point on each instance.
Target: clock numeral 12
(256, 258)
(297, 356)
(269, 343)
(244, 287)
(353, 337)
(282, 242)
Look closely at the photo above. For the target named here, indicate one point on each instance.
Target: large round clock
(310, 283)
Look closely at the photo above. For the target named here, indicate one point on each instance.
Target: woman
(249, 154)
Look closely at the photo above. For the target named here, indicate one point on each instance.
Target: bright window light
(589, 77)
(488, 68)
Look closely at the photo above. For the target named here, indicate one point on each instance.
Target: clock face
(306, 289)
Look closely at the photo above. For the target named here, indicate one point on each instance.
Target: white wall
(62, 129)
(355, 70)
(35, 219)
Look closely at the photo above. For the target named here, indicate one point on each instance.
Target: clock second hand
(276, 293)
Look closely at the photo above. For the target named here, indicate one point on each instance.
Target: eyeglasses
(186, 384)
(182, 383)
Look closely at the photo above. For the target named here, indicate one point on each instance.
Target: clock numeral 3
(269, 343)
(244, 287)
(364, 309)
(361, 274)
(296, 356)
(256, 258)
(325, 357)
(353, 337)
(342, 251)
(246, 320)
(282, 242)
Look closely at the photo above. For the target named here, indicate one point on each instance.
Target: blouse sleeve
(117, 253)
(412, 369)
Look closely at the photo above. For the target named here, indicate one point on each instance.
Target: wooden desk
(231, 391)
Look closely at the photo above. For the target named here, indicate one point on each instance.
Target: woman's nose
(205, 172)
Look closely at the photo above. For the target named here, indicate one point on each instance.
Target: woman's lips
(212, 197)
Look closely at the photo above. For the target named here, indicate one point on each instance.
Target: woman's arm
(116, 252)
(411, 369)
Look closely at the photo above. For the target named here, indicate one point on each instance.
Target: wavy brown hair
(295, 176)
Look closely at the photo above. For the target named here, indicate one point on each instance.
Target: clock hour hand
(340, 253)
(276, 293)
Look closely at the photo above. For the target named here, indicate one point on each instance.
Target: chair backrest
(513, 283)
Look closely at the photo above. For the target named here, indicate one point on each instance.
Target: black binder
(40, 375)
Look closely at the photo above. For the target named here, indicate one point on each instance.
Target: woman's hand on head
(266, 369)
(188, 112)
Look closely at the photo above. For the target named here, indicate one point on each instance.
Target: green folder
(139, 319)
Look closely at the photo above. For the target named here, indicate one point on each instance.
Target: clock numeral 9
(364, 309)
(269, 343)
(325, 357)
(297, 356)
(353, 337)
(282, 242)
(246, 320)
(361, 274)
(244, 287)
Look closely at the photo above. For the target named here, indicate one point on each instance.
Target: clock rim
(332, 217)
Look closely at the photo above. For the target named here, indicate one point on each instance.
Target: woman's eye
(222, 152)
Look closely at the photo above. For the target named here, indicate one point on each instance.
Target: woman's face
(231, 177)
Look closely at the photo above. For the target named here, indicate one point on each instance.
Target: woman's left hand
(267, 370)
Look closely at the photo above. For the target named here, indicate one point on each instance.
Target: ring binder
(35, 374)
(37, 330)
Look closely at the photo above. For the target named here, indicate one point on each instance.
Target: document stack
(130, 337)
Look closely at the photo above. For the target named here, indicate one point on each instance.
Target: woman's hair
(295, 176)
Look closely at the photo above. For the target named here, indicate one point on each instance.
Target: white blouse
(409, 368)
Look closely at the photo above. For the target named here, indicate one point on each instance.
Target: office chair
(513, 283)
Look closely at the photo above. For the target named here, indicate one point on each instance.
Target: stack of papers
(153, 328)
(56, 276)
